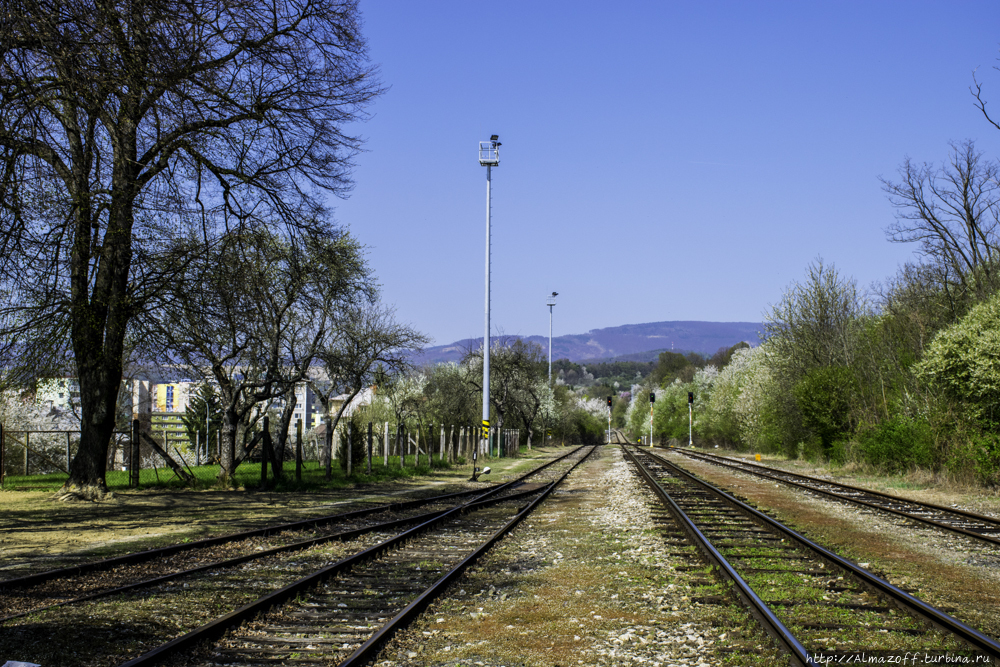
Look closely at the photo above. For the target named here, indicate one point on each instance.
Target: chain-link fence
(41, 458)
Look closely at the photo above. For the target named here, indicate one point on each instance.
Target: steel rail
(778, 478)
(219, 626)
(911, 604)
(370, 649)
(160, 552)
(786, 641)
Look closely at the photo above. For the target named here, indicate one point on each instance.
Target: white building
(62, 393)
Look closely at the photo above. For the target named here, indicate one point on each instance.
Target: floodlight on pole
(550, 302)
(489, 157)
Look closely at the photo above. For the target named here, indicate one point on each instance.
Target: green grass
(247, 475)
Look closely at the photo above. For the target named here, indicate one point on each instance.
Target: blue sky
(660, 160)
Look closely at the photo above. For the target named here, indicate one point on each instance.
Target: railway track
(388, 558)
(147, 569)
(345, 612)
(970, 524)
(819, 607)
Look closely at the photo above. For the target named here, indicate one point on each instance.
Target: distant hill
(635, 342)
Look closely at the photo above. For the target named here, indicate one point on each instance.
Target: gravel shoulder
(917, 485)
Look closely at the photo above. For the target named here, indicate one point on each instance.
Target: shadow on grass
(247, 476)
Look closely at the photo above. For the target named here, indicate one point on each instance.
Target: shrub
(823, 398)
(898, 444)
(588, 429)
(962, 361)
(979, 454)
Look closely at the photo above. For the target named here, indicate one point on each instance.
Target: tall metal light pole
(550, 302)
(489, 157)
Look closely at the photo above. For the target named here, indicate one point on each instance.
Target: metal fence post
(329, 448)
(369, 448)
(298, 450)
(133, 464)
(3, 462)
(263, 453)
(26, 434)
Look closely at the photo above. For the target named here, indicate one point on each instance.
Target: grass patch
(247, 475)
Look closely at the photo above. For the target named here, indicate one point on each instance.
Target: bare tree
(252, 316)
(120, 122)
(515, 368)
(813, 324)
(363, 340)
(952, 212)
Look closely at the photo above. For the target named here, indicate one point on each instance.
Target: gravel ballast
(588, 579)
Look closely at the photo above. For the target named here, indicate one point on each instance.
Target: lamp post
(550, 302)
(489, 157)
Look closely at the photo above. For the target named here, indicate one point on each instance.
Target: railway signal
(610, 400)
(690, 417)
(652, 399)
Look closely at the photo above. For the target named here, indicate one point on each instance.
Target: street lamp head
(494, 137)
(489, 152)
(551, 300)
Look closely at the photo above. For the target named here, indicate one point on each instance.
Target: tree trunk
(284, 425)
(98, 400)
(229, 433)
(99, 316)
